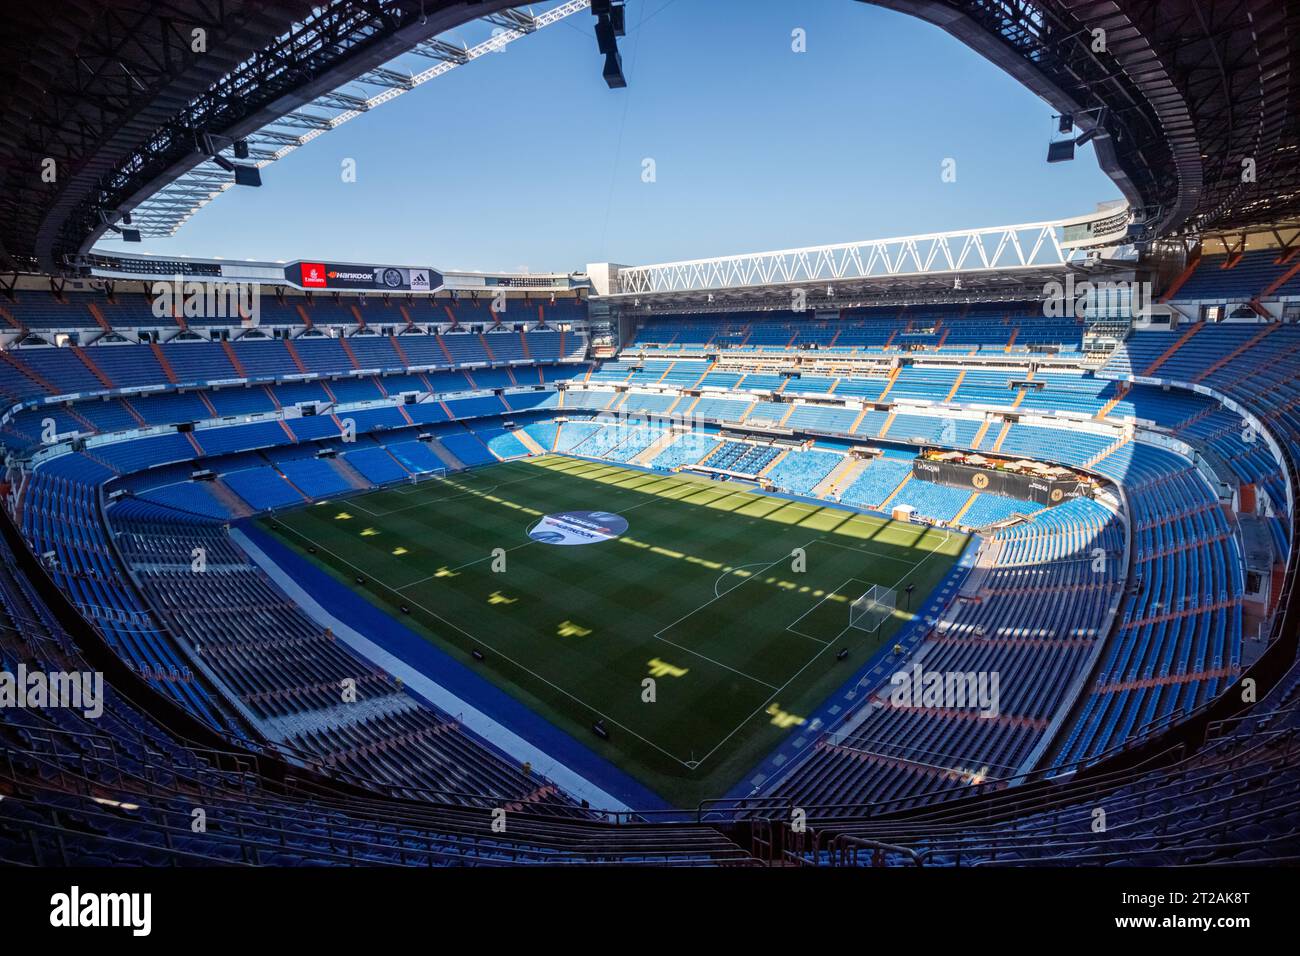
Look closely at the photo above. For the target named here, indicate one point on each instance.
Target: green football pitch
(734, 604)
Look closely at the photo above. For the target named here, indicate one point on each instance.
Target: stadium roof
(998, 263)
(1193, 103)
(165, 211)
(1181, 94)
(104, 104)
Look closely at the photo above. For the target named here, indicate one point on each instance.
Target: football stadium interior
(906, 552)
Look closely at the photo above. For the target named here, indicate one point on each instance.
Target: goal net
(430, 475)
(874, 608)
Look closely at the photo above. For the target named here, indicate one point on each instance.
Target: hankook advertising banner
(362, 278)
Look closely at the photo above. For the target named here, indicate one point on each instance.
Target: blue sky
(526, 161)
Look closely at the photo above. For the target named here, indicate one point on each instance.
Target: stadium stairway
(1173, 347)
(236, 505)
(652, 451)
(844, 475)
(358, 481)
(528, 442)
(451, 462)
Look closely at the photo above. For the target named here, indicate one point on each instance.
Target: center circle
(578, 527)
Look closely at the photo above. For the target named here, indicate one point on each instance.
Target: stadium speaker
(606, 41)
(248, 176)
(613, 71)
(1065, 124)
(241, 149)
(1061, 151)
(130, 235)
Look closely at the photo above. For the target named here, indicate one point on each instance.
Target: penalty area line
(772, 698)
(791, 626)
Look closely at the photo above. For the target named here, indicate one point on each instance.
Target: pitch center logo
(578, 527)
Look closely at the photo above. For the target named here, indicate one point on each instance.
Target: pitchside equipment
(436, 473)
(874, 608)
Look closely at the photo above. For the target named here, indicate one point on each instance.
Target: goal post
(432, 474)
(873, 608)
